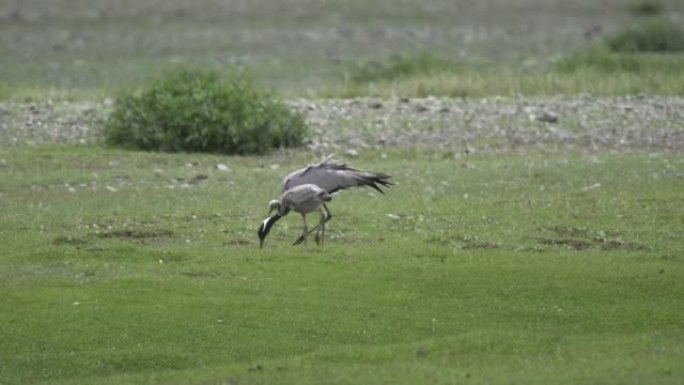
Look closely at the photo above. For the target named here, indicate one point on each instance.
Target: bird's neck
(282, 211)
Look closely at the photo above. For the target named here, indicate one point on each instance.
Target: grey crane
(304, 199)
(330, 176)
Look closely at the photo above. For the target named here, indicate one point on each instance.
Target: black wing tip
(363, 178)
(379, 179)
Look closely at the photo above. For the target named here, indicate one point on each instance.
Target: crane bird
(306, 190)
(304, 199)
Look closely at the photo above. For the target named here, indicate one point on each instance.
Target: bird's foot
(299, 240)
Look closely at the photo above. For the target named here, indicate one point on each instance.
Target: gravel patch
(49, 123)
(350, 126)
(625, 124)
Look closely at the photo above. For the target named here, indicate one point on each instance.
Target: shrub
(197, 111)
(646, 8)
(654, 36)
(401, 66)
(601, 60)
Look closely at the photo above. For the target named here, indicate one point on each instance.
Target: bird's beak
(261, 243)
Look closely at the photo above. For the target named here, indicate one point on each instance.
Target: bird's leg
(320, 234)
(306, 232)
(327, 218)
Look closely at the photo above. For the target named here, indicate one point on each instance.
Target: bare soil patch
(349, 126)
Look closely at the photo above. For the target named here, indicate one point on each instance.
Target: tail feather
(375, 181)
(365, 178)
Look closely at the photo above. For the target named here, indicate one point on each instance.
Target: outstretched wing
(333, 176)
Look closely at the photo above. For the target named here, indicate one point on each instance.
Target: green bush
(646, 8)
(401, 66)
(197, 111)
(654, 36)
(601, 60)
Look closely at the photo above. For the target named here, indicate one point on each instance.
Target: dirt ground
(350, 126)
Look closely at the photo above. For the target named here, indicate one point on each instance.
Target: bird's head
(274, 205)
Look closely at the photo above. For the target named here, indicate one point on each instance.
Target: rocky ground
(349, 126)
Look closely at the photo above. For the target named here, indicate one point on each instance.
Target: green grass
(594, 70)
(654, 36)
(91, 49)
(126, 267)
(601, 61)
(402, 66)
(643, 8)
(588, 78)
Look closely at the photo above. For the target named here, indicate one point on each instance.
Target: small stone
(198, 178)
(591, 187)
(544, 116)
(421, 108)
(222, 167)
(352, 153)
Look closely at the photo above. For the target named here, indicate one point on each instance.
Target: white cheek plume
(263, 224)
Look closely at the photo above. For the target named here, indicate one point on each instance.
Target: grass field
(511, 250)
(91, 49)
(145, 268)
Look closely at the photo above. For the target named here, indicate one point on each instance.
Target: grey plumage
(306, 190)
(303, 199)
(333, 176)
